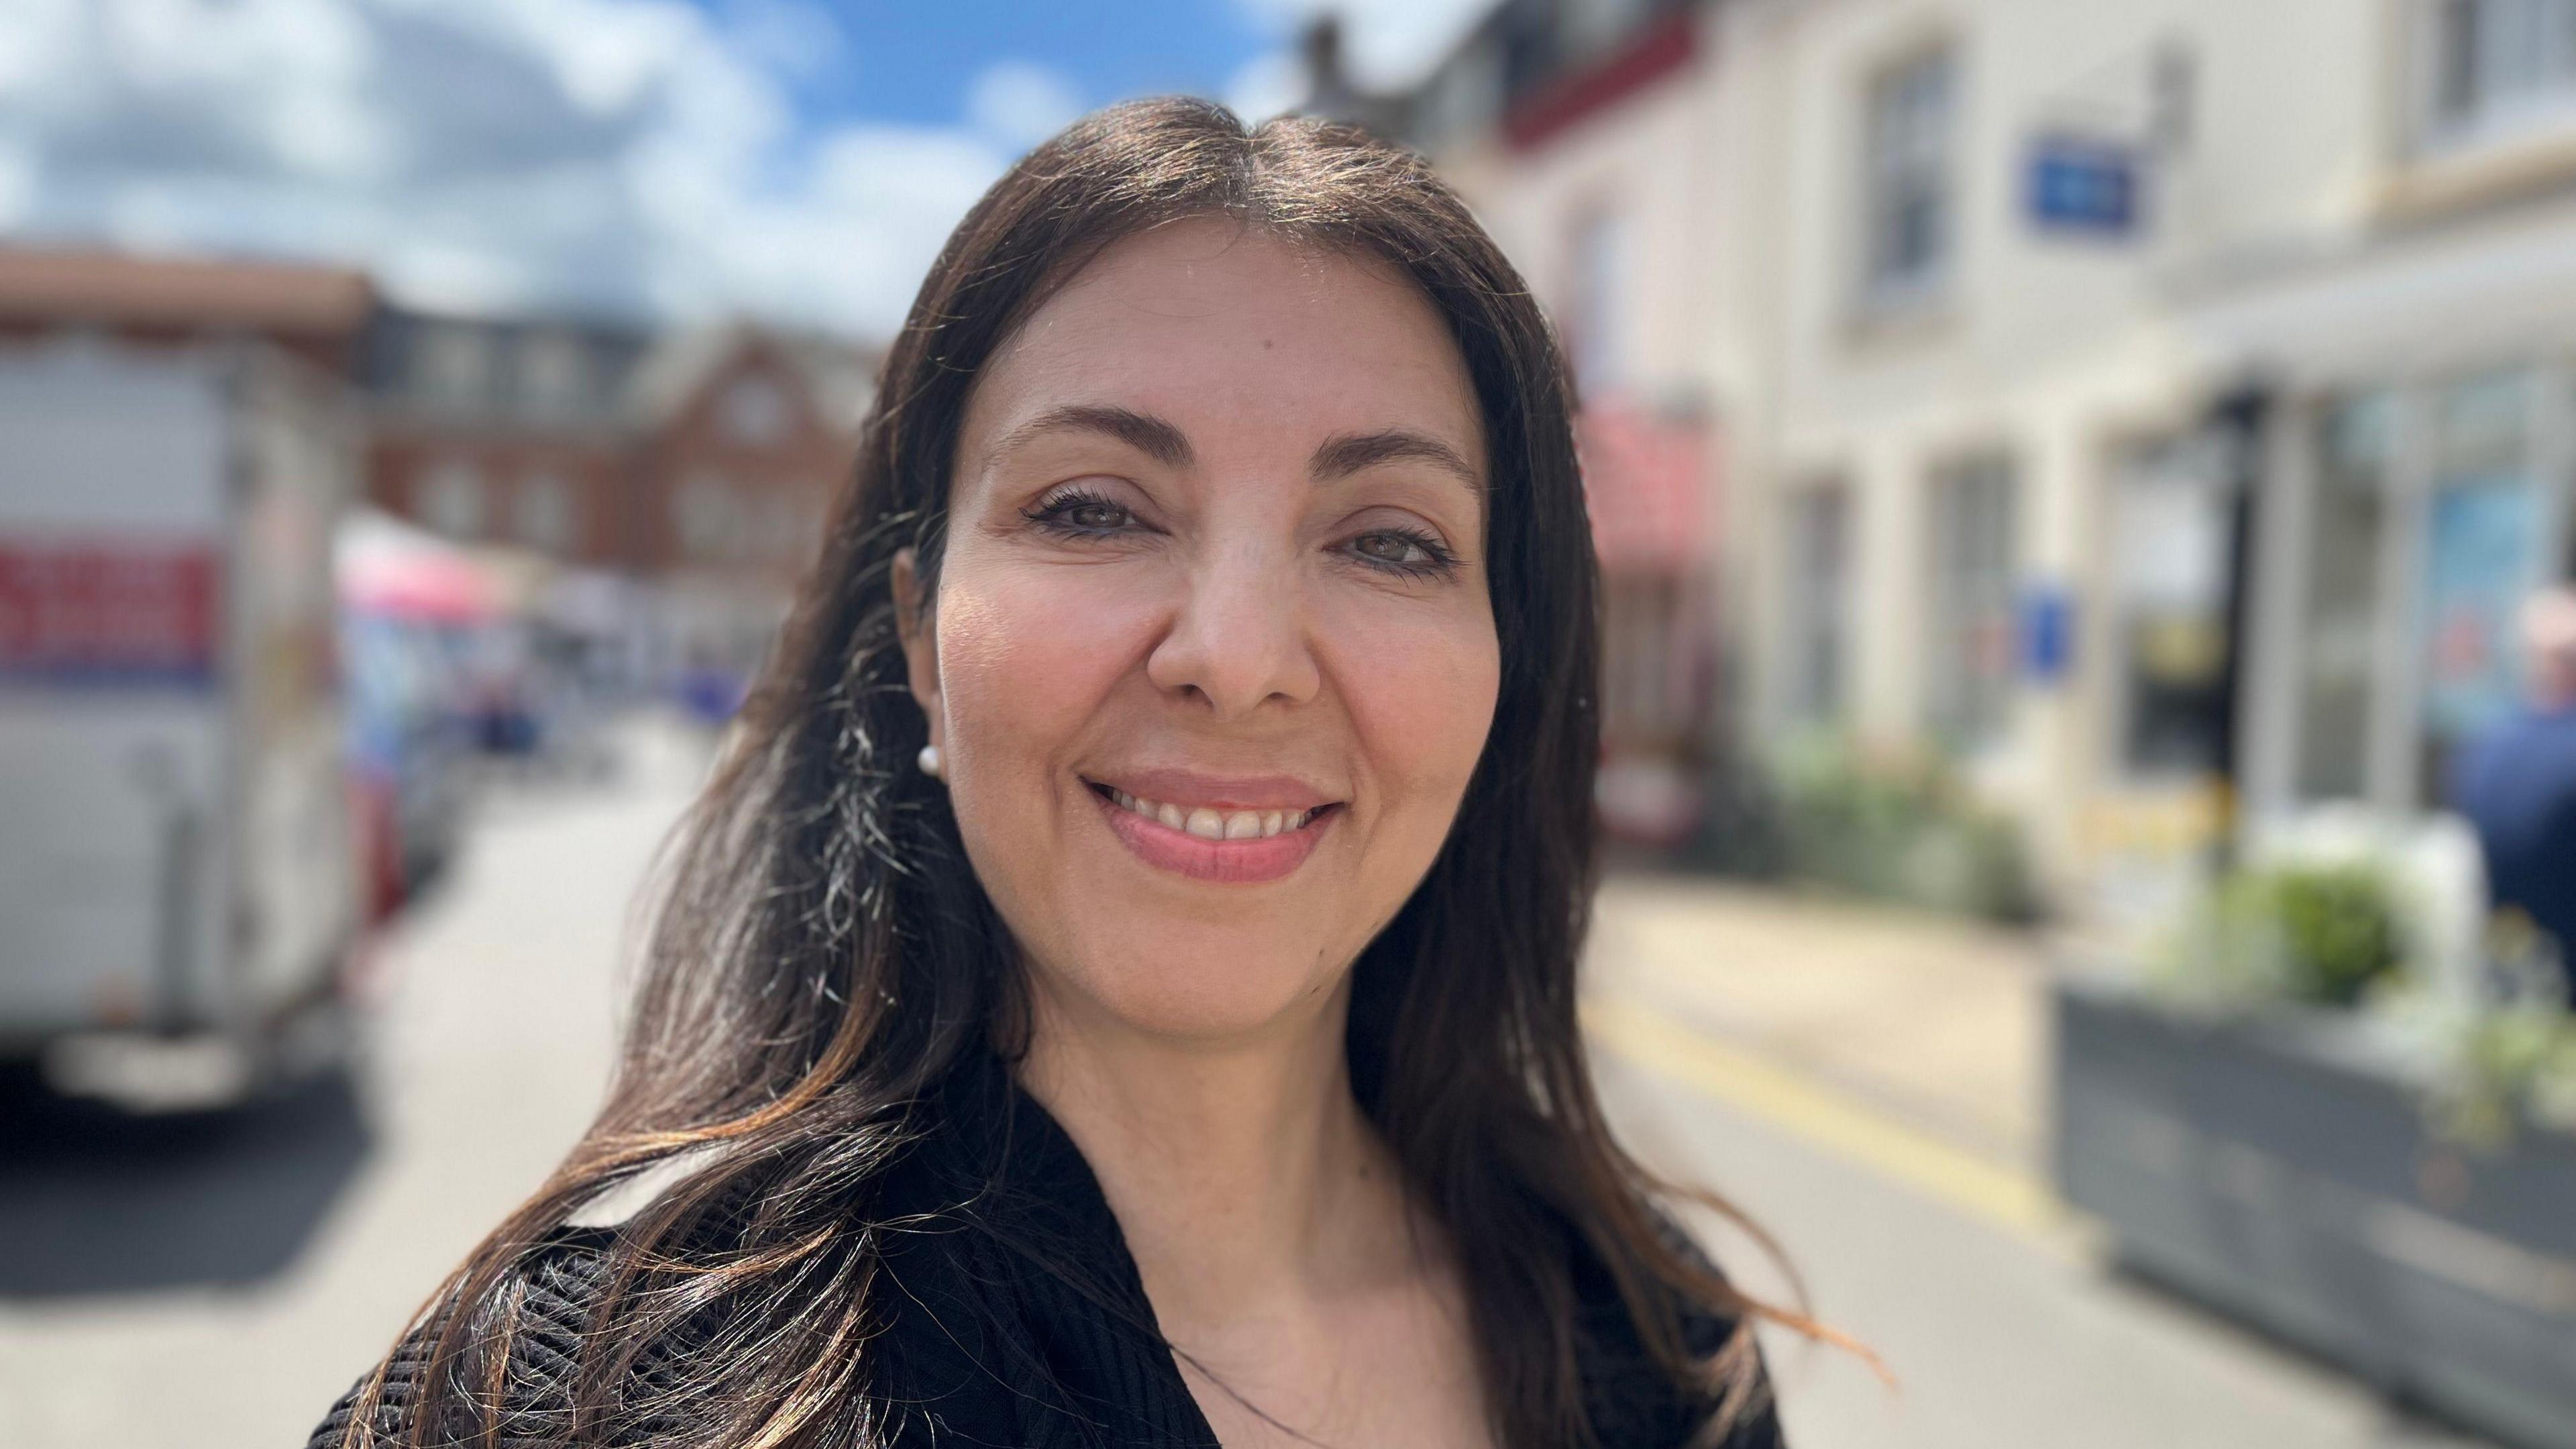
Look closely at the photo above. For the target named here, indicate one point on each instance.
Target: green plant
(2341, 927)
(2323, 934)
(2509, 1057)
(1889, 825)
(2343, 934)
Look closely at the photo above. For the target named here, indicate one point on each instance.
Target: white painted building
(2054, 326)
(2150, 404)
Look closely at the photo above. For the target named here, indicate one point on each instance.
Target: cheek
(1025, 656)
(1420, 687)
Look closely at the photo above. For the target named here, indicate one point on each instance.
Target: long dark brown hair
(822, 956)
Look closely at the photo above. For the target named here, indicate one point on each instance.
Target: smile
(1220, 843)
(1208, 824)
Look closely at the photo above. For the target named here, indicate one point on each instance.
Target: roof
(839, 374)
(1535, 68)
(101, 288)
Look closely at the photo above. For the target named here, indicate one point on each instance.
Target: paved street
(216, 1284)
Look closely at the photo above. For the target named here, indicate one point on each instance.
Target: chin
(1225, 985)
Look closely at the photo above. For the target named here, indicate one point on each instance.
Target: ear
(918, 628)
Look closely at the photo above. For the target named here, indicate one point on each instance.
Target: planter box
(2280, 1171)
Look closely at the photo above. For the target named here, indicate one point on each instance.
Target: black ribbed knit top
(1014, 1317)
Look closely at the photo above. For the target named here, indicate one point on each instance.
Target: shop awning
(389, 568)
(1649, 484)
(2436, 301)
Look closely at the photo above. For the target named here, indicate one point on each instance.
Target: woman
(1119, 989)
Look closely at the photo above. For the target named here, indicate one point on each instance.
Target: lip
(1193, 790)
(1224, 862)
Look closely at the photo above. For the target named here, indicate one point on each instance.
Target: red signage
(108, 612)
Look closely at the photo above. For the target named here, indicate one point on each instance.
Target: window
(2171, 523)
(1641, 697)
(1819, 556)
(450, 499)
(2339, 617)
(2501, 63)
(1969, 650)
(2483, 555)
(775, 523)
(453, 364)
(1596, 303)
(554, 375)
(542, 513)
(1910, 210)
(2432, 514)
(708, 517)
(755, 412)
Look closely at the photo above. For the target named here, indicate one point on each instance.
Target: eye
(1404, 551)
(1094, 515)
(1081, 514)
(1394, 548)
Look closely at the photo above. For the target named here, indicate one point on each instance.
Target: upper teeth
(1215, 824)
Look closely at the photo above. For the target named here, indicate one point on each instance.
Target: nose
(1238, 637)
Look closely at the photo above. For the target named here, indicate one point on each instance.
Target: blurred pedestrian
(1120, 988)
(2517, 782)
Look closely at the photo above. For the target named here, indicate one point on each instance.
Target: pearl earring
(928, 759)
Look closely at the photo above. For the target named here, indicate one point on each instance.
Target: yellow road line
(2014, 1201)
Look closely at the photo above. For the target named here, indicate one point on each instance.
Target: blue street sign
(2085, 185)
(2047, 633)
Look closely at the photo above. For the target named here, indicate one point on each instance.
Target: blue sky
(798, 160)
(917, 62)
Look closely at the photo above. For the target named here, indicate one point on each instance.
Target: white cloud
(31, 30)
(606, 54)
(1020, 103)
(792, 39)
(489, 153)
(1266, 86)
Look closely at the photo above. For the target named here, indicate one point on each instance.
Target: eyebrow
(1352, 452)
(1144, 432)
(1339, 457)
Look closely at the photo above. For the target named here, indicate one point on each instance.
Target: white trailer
(178, 893)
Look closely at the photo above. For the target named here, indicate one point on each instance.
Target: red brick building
(746, 436)
(699, 463)
(504, 432)
(708, 454)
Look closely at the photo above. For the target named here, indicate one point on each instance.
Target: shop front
(2414, 493)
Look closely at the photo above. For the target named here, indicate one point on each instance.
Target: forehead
(1234, 334)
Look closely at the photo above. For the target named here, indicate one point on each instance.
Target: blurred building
(1987, 505)
(2154, 406)
(1579, 133)
(697, 463)
(744, 437)
(510, 431)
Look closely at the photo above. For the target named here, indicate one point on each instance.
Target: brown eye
(1081, 515)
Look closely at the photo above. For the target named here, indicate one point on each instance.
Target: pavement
(1917, 1039)
(1868, 1085)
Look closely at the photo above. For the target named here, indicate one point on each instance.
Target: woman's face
(1211, 659)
